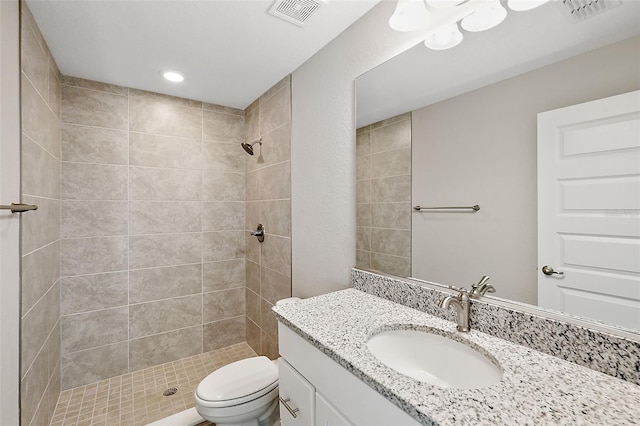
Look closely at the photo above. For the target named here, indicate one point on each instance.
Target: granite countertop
(535, 388)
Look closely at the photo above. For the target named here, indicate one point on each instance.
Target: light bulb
(410, 15)
(485, 18)
(440, 4)
(445, 38)
(173, 76)
(521, 5)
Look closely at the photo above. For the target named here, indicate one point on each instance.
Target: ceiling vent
(297, 12)
(580, 10)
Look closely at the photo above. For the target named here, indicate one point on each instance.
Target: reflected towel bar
(475, 208)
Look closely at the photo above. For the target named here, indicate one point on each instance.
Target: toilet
(243, 393)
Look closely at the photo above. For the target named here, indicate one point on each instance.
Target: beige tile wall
(152, 226)
(268, 195)
(40, 233)
(383, 192)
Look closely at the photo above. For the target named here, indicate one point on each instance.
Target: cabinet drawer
(296, 393)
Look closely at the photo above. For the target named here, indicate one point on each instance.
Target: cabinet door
(327, 414)
(297, 397)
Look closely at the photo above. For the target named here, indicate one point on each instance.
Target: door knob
(548, 270)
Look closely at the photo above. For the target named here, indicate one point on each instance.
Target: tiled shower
(139, 253)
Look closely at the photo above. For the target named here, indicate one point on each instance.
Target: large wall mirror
(459, 128)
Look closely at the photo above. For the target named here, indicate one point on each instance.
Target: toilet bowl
(243, 393)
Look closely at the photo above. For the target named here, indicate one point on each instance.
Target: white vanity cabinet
(326, 394)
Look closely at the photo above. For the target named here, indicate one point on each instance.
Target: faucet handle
(482, 282)
(461, 290)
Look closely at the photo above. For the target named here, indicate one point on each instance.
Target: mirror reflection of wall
(480, 148)
(383, 196)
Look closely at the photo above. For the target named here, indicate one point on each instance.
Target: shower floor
(136, 398)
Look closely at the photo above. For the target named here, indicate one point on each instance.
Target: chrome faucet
(481, 288)
(461, 302)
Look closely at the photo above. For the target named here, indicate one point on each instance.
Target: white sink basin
(434, 359)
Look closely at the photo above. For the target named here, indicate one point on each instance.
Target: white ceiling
(523, 42)
(230, 51)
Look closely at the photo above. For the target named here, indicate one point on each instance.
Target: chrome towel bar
(475, 208)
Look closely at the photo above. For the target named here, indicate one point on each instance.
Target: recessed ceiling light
(173, 76)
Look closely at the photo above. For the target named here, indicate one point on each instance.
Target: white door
(589, 209)
(9, 223)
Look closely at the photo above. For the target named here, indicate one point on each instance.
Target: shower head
(249, 146)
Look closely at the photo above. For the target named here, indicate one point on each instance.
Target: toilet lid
(238, 379)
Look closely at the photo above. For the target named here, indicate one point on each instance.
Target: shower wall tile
(223, 304)
(252, 186)
(37, 325)
(391, 215)
(223, 127)
(276, 110)
(268, 195)
(275, 182)
(223, 245)
(274, 286)
(165, 347)
(41, 170)
(94, 108)
(163, 116)
(252, 271)
(38, 119)
(40, 229)
(219, 186)
(391, 189)
(224, 333)
(164, 184)
(222, 157)
(35, 64)
(391, 241)
(390, 163)
(93, 292)
(94, 145)
(276, 217)
(394, 136)
(80, 256)
(164, 283)
(94, 85)
(148, 251)
(219, 216)
(92, 329)
(164, 151)
(92, 365)
(156, 217)
(363, 191)
(276, 254)
(268, 322)
(223, 275)
(93, 218)
(156, 99)
(40, 270)
(363, 144)
(151, 318)
(394, 265)
(364, 214)
(383, 195)
(82, 181)
(222, 108)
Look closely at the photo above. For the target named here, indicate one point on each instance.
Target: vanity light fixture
(173, 76)
(413, 15)
(486, 18)
(445, 38)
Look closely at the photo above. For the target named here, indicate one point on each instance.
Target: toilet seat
(238, 383)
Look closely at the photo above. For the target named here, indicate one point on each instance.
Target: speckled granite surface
(609, 354)
(535, 388)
